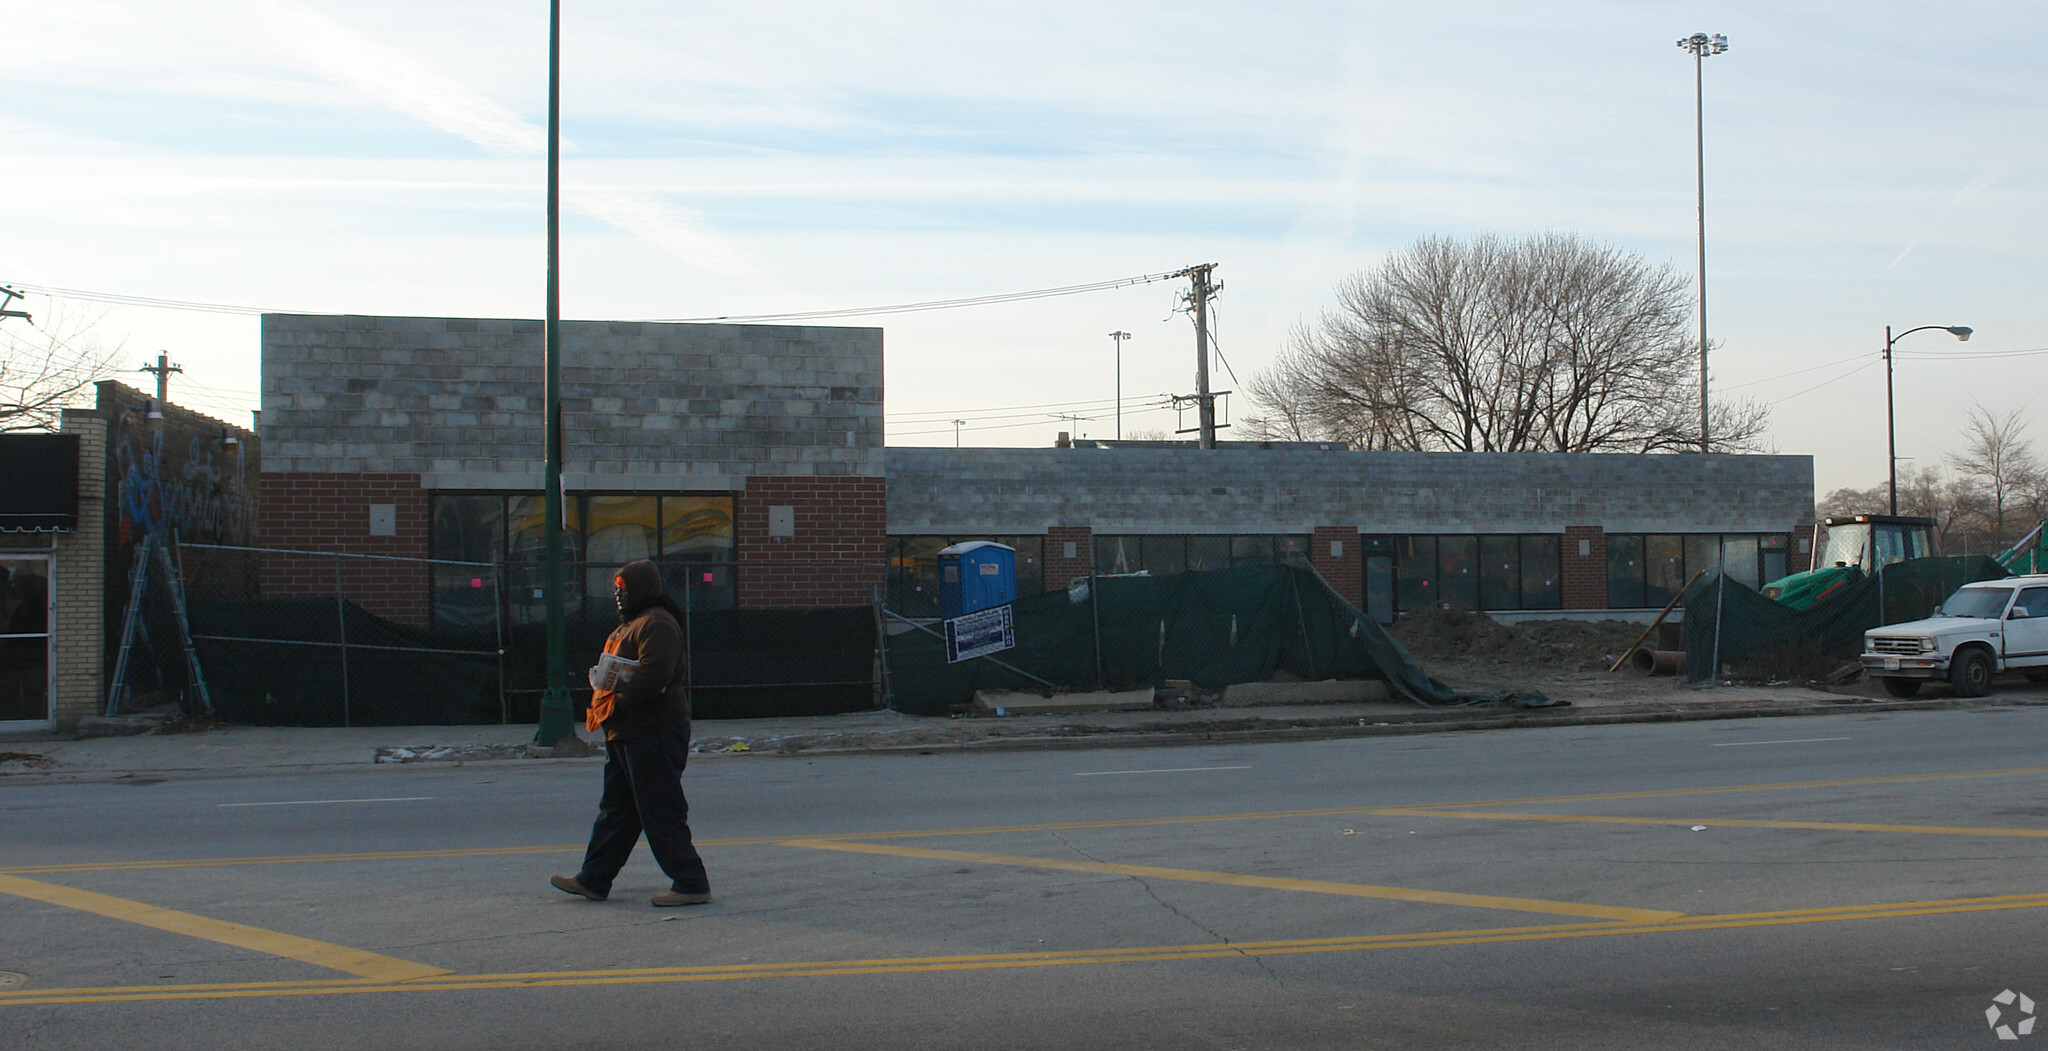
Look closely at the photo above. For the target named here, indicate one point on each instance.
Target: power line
(1825, 383)
(937, 304)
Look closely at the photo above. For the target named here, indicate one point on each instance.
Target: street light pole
(1119, 337)
(556, 713)
(957, 424)
(1891, 443)
(1701, 45)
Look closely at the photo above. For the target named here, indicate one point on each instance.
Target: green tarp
(1753, 636)
(1247, 624)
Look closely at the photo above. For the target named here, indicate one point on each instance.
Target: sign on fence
(980, 634)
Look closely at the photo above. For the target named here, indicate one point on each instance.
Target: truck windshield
(1845, 545)
(1987, 603)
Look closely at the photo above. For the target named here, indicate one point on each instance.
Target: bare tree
(48, 367)
(2000, 458)
(1547, 344)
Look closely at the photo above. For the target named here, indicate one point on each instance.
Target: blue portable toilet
(976, 575)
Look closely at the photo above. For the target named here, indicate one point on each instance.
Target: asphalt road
(1850, 882)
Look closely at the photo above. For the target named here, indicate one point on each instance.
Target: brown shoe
(677, 897)
(568, 885)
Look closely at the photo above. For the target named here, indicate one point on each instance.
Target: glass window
(1624, 572)
(1379, 587)
(1500, 572)
(1290, 547)
(1165, 555)
(699, 585)
(1541, 573)
(1208, 552)
(696, 528)
(1458, 570)
(526, 529)
(1415, 571)
(1663, 568)
(25, 657)
(620, 529)
(464, 597)
(1030, 570)
(1701, 552)
(1117, 554)
(914, 577)
(469, 528)
(1739, 559)
(1251, 550)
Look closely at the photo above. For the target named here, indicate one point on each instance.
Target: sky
(1867, 164)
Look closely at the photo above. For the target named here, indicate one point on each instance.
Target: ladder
(152, 549)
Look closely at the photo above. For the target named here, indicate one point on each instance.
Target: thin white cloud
(361, 63)
(642, 214)
(1977, 185)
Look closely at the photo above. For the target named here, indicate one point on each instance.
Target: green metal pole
(556, 714)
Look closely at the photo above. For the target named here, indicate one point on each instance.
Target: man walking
(646, 720)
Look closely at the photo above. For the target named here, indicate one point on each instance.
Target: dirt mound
(1450, 630)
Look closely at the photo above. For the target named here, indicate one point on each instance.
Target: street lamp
(1701, 45)
(957, 424)
(1119, 337)
(1891, 444)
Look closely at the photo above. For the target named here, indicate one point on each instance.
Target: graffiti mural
(183, 476)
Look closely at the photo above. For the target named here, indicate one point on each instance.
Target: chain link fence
(314, 638)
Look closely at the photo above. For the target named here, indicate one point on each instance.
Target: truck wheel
(1902, 687)
(1970, 674)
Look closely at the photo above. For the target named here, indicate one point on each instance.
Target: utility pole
(1203, 290)
(1700, 46)
(8, 295)
(163, 369)
(1119, 336)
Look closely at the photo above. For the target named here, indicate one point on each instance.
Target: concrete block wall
(1585, 575)
(78, 576)
(1294, 490)
(646, 406)
(834, 554)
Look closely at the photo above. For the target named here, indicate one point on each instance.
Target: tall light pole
(957, 424)
(1891, 444)
(556, 713)
(1119, 337)
(1701, 45)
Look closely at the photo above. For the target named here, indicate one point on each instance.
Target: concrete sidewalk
(243, 750)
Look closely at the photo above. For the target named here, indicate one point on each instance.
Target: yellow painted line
(934, 964)
(1710, 822)
(1231, 879)
(290, 946)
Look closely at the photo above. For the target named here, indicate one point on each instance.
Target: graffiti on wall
(175, 476)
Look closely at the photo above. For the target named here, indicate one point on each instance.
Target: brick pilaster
(837, 552)
(1334, 552)
(1584, 564)
(78, 575)
(1060, 567)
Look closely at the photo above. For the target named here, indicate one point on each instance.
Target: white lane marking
(1175, 770)
(322, 802)
(1802, 740)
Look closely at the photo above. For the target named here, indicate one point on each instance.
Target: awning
(38, 483)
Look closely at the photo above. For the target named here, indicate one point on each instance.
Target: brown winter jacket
(654, 699)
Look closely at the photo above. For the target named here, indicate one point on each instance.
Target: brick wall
(835, 555)
(1059, 568)
(1334, 552)
(78, 576)
(331, 512)
(1585, 575)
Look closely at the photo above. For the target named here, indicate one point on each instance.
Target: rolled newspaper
(611, 672)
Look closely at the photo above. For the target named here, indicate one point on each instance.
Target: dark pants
(643, 791)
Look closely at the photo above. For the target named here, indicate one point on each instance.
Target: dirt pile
(1452, 631)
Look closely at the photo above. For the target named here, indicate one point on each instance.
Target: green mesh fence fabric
(1213, 629)
(1755, 637)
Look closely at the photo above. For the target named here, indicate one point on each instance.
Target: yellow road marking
(1231, 879)
(292, 947)
(930, 964)
(1711, 822)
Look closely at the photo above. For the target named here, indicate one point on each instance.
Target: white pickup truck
(1983, 629)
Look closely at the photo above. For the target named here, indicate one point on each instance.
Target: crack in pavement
(1169, 906)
